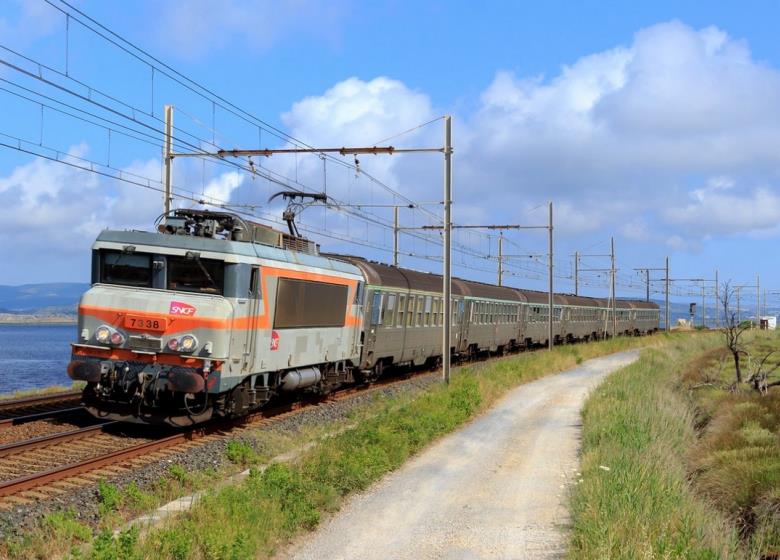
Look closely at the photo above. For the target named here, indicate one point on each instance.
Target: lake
(34, 356)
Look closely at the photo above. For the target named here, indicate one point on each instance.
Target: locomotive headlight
(103, 334)
(173, 344)
(188, 343)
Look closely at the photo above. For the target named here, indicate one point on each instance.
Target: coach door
(252, 333)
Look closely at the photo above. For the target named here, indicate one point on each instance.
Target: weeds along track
(14, 412)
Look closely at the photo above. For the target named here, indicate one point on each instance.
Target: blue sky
(655, 122)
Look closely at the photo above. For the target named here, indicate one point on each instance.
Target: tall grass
(634, 499)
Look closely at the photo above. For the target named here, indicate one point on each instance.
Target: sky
(655, 123)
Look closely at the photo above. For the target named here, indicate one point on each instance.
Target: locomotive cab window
(193, 274)
(126, 269)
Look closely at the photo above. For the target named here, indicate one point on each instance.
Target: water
(34, 356)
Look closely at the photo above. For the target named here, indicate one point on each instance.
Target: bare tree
(732, 328)
(760, 372)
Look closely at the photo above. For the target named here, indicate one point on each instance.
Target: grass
(75, 386)
(634, 499)
(694, 463)
(255, 517)
(736, 462)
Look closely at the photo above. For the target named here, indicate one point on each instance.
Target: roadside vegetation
(681, 455)
(278, 500)
(51, 389)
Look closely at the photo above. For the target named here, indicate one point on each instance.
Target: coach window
(389, 315)
(376, 309)
(427, 311)
(401, 311)
(419, 317)
(410, 312)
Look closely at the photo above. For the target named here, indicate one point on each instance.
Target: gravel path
(495, 489)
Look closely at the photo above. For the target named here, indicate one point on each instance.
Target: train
(212, 315)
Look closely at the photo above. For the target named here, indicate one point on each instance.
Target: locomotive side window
(126, 269)
(205, 276)
(306, 304)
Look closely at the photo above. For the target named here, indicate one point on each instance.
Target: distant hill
(54, 298)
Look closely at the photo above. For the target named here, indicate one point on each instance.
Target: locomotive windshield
(204, 276)
(180, 273)
(126, 269)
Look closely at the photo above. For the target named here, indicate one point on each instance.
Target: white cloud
(204, 26)
(713, 211)
(50, 213)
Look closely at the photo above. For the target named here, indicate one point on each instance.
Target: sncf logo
(179, 308)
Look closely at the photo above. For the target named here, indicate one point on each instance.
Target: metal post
(739, 310)
(703, 322)
(500, 257)
(614, 295)
(447, 247)
(717, 301)
(758, 302)
(576, 273)
(550, 272)
(395, 235)
(668, 327)
(647, 284)
(168, 159)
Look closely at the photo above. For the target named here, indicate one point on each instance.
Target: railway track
(14, 412)
(45, 466)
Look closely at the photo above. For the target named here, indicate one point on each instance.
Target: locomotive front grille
(148, 343)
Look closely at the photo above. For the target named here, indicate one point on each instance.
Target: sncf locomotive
(214, 315)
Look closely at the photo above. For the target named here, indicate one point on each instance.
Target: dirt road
(495, 489)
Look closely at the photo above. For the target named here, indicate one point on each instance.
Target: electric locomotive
(211, 315)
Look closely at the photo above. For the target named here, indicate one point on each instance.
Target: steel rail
(46, 415)
(38, 400)
(17, 447)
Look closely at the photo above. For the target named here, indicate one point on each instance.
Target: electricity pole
(550, 341)
(447, 248)
(758, 302)
(168, 160)
(717, 302)
(576, 273)
(703, 324)
(614, 295)
(668, 328)
(500, 258)
(395, 235)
